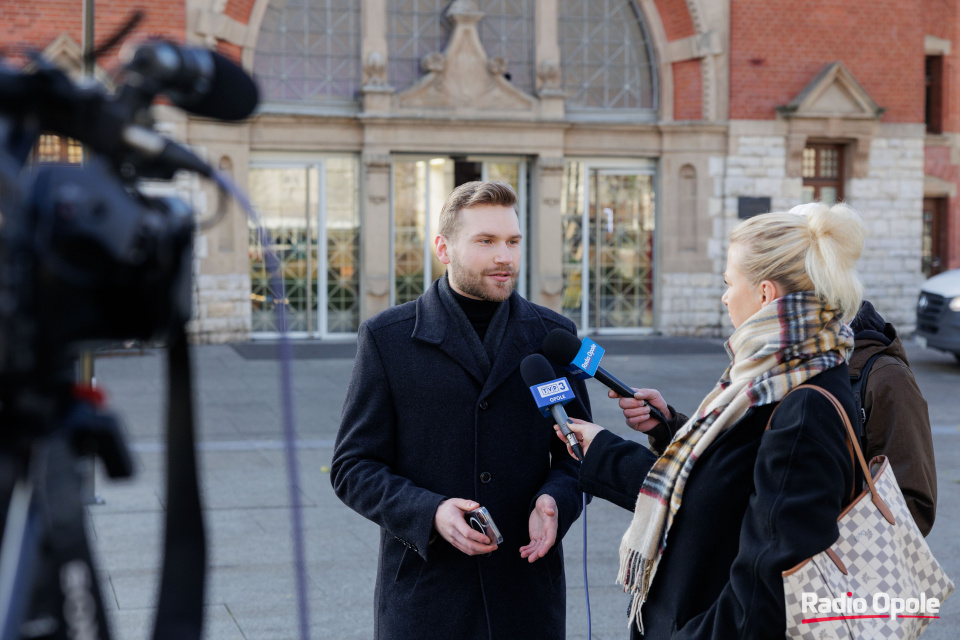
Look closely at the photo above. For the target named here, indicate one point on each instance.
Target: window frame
(818, 181)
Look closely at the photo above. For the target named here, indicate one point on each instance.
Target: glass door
(311, 212)
(420, 187)
(608, 217)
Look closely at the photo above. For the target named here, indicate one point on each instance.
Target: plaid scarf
(780, 347)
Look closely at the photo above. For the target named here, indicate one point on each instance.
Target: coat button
(484, 405)
(485, 477)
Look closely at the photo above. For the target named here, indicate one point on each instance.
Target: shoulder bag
(879, 579)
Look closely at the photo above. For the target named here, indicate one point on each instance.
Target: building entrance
(310, 210)
(609, 218)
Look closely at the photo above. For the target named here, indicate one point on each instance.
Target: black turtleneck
(478, 312)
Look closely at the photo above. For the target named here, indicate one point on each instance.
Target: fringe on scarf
(634, 575)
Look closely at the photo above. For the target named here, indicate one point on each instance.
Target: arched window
(309, 51)
(419, 27)
(605, 56)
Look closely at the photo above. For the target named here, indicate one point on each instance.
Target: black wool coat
(756, 504)
(420, 424)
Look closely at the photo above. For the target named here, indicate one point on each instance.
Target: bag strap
(851, 442)
(858, 384)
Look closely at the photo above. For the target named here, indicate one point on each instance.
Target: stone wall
(221, 309)
(690, 305)
(689, 301)
(890, 199)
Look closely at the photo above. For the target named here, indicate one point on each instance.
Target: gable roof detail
(833, 93)
(463, 78)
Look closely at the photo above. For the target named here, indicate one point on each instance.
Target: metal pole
(86, 356)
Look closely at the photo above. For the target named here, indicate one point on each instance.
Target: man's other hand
(543, 529)
(452, 526)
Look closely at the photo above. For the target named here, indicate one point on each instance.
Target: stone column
(375, 234)
(373, 52)
(549, 82)
(546, 259)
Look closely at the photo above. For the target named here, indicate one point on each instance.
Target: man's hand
(450, 523)
(636, 410)
(543, 529)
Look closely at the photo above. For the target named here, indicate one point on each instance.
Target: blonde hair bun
(812, 247)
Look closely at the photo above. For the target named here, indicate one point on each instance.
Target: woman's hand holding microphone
(636, 412)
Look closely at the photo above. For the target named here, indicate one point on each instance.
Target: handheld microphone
(550, 394)
(583, 359)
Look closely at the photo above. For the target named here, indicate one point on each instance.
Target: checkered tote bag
(879, 579)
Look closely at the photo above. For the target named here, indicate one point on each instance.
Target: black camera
(87, 256)
(89, 259)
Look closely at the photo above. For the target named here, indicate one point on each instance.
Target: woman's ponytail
(812, 248)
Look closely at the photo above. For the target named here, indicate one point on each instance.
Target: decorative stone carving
(67, 55)
(693, 6)
(462, 78)
(374, 71)
(433, 62)
(548, 75)
(497, 66)
(376, 162)
(550, 165)
(465, 11)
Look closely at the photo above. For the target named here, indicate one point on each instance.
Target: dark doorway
(465, 171)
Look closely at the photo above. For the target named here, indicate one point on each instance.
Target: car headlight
(955, 304)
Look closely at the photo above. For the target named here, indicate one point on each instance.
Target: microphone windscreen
(233, 94)
(561, 346)
(536, 370)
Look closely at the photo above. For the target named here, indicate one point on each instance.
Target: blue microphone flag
(587, 360)
(550, 393)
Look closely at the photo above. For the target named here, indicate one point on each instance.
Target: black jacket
(756, 504)
(420, 425)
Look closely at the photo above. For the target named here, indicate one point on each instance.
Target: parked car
(938, 313)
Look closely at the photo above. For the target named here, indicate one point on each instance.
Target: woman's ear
(769, 291)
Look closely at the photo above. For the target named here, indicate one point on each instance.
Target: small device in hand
(480, 520)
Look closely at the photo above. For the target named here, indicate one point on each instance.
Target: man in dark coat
(438, 421)
(897, 419)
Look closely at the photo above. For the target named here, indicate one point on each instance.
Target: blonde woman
(729, 504)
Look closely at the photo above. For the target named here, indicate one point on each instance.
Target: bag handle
(851, 443)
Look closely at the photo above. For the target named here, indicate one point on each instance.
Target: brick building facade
(637, 133)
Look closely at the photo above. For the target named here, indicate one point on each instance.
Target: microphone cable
(586, 586)
(286, 390)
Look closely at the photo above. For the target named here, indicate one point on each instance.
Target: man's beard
(475, 283)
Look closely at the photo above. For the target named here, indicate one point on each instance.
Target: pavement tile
(137, 624)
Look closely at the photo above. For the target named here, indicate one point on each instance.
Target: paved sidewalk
(251, 591)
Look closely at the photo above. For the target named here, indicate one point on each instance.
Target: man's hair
(471, 194)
